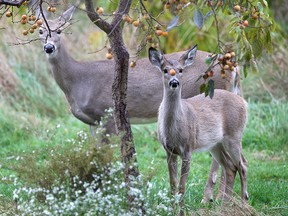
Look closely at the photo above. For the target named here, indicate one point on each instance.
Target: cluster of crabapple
(175, 5)
(25, 19)
(242, 23)
(31, 20)
(139, 23)
(227, 63)
(254, 14)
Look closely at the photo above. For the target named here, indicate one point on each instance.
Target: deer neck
(171, 105)
(63, 67)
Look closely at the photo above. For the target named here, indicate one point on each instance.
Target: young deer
(199, 123)
(88, 85)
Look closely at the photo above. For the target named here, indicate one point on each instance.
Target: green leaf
(210, 59)
(198, 18)
(173, 23)
(206, 91)
(203, 88)
(211, 88)
(247, 54)
(260, 7)
(207, 15)
(264, 2)
(257, 47)
(245, 70)
(254, 66)
(268, 44)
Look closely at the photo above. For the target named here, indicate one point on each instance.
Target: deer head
(50, 35)
(172, 69)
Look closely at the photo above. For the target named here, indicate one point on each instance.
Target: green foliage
(75, 157)
(220, 26)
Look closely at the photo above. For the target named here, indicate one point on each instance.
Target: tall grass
(267, 127)
(35, 90)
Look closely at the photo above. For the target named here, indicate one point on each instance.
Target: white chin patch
(51, 55)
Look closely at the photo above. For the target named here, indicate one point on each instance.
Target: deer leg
(173, 171)
(79, 114)
(243, 178)
(230, 173)
(185, 167)
(92, 130)
(234, 149)
(211, 182)
(221, 189)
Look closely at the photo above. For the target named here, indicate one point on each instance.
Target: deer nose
(174, 83)
(49, 48)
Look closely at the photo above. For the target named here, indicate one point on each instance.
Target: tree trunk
(119, 91)
(121, 117)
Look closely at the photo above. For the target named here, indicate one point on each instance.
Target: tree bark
(121, 116)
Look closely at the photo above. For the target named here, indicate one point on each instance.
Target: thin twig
(217, 28)
(153, 18)
(45, 20)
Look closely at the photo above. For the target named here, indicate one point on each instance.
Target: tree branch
(123, 8)
(95, 18)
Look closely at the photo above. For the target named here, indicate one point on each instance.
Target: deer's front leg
(182, 184)
(173, 171)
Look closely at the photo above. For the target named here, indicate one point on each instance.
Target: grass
(264, 148)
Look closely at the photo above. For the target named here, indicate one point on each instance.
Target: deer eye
(40, 31)
(58, 31)
(180, 70)
(165, 71)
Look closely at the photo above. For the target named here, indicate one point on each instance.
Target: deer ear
(188, 58)
(67, 15)
(156, 58)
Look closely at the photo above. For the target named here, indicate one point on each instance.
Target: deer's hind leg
(239, 163)
(228, 173)
(211, 182)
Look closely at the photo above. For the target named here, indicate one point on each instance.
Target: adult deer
(87, 85)
(199, 123)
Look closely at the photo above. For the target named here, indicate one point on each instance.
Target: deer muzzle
(174, 83)
(49, 48)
